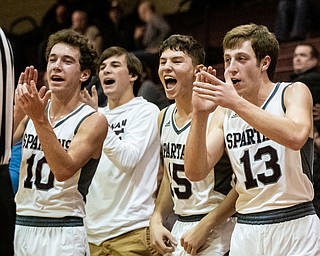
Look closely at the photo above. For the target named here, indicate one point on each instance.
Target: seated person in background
(80, 23)
(292, 20)
(116, 27)
(306, 70)
(152, 90)
(150, 34)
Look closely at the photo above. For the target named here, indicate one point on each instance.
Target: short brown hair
(134, 65)
(263, 43)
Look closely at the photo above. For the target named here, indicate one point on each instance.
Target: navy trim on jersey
(175, 128)
(275, 89)
(282, 99)
(163, 117)
(277, 216)
(33, 221)
(191, 218)
(306, 153)
(77, 127)
(69, 116)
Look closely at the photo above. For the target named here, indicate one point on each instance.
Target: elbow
(194, 176)
(296, 143)
(63, 175)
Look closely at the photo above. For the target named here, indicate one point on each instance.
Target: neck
(116, 102)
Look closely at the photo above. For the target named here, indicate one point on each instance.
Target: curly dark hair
(75, 39)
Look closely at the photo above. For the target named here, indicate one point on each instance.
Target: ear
(198, 68)
(133, 78)
(265, 62)
(85, 75)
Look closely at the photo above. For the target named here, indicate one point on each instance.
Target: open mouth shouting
(56, 78)
(170, 82)
(108, 81)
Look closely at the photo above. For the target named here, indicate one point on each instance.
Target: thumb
(94, 92)
(47, 96)
(42, 91)
(172, 239)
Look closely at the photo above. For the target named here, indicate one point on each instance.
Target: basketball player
(181, 57)
(267, 129)
(120, 200)
(62, 145)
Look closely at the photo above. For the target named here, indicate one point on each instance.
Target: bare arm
(86, 144)
(161, 238)
(203, 150)
(196, 237)
(291, 131)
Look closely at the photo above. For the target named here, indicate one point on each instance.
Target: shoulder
(143, 105)
(297, 92)
(295, 87)
(95, 122)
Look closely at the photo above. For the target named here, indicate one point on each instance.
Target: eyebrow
(63, 56)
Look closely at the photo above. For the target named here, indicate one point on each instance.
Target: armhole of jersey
(163, 117)
(282, 98)
(81, 121)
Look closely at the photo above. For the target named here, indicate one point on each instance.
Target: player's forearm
(18, 116)
(196, 167)
(164, 202)
(59, 161)
(283, 130)
(223, 211)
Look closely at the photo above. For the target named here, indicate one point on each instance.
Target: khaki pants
(133, 243)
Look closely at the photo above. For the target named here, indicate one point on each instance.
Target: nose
(232, 66)
(105, 70)
(166, 66)
(57, 65)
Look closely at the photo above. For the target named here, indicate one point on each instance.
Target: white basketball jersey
(268, 175)
(39, 193)
(190, 198)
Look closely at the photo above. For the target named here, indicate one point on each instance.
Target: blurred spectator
(148, 35)
(117, 28)
(80, 23)
(152, 90)
(56, 18)
(305, 70)
(154, 29)
(291, 20)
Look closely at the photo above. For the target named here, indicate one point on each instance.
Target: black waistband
(191, 218)
(34, 221)
(277, 216)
